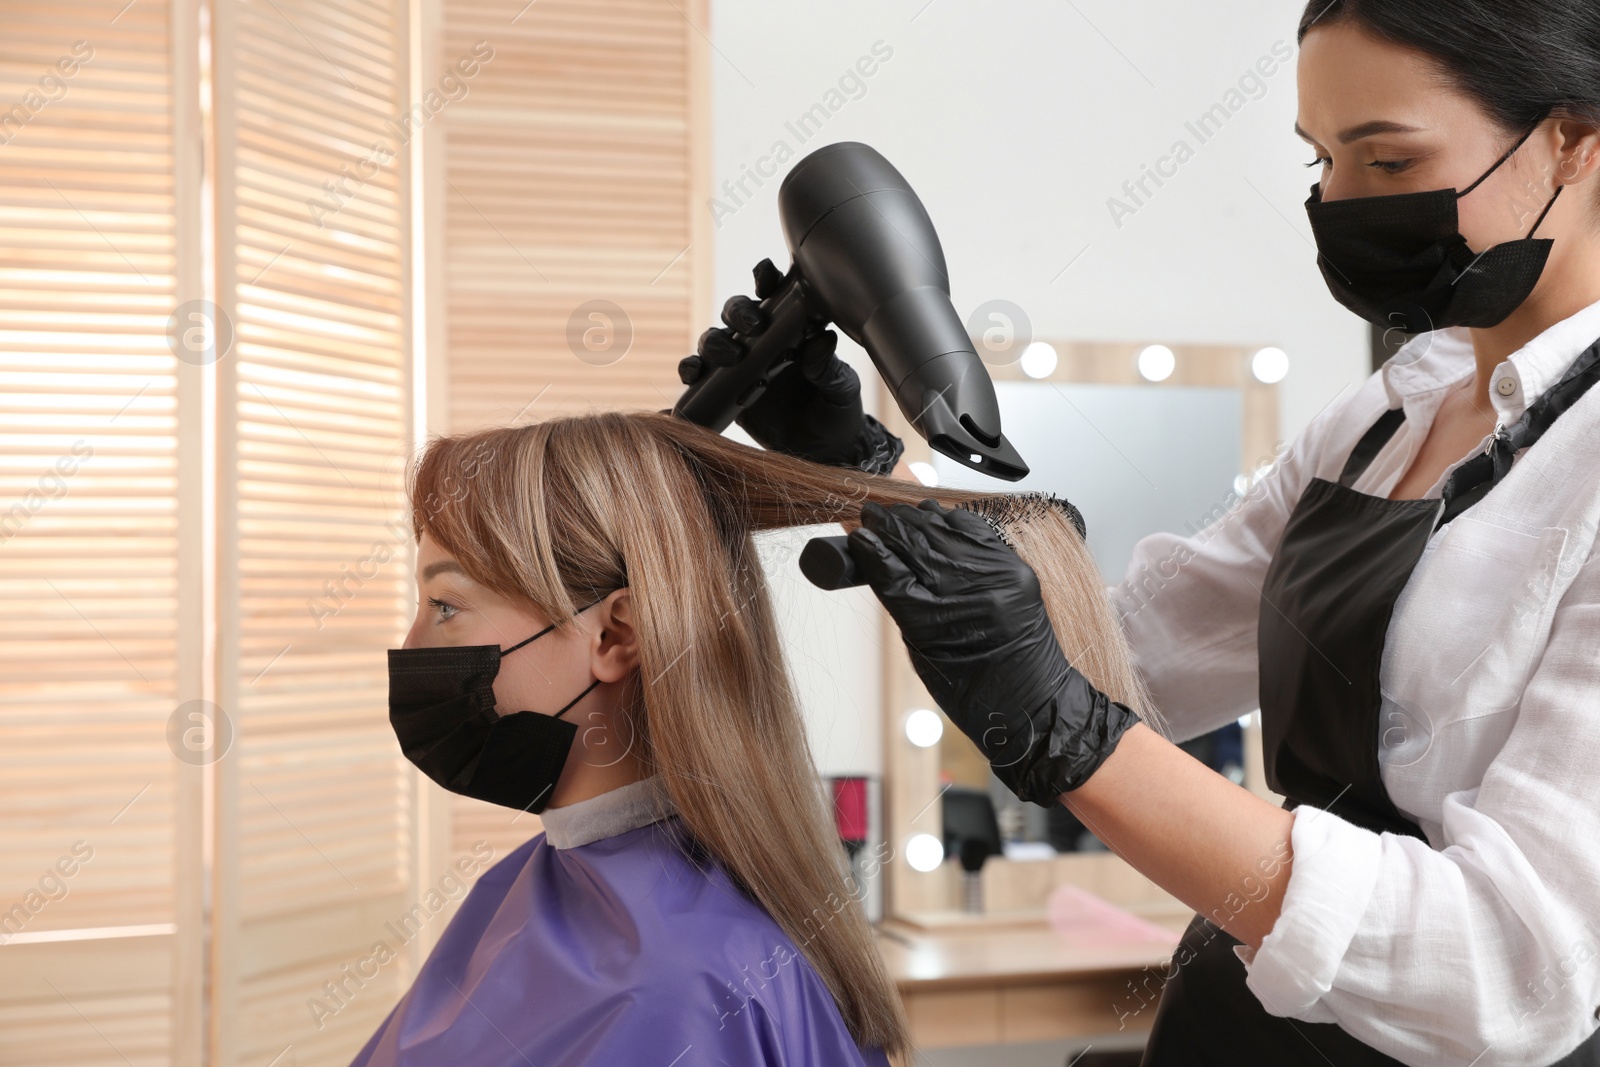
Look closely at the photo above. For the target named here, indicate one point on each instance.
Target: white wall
(1016, 124)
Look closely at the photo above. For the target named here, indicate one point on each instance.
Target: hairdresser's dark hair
(1519, 59)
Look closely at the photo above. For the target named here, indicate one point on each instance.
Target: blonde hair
(560, 512)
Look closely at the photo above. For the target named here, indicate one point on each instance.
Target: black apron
(1326, 601)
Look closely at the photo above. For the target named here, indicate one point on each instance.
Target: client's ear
(614, 649)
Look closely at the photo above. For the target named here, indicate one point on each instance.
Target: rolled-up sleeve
(1485, 951)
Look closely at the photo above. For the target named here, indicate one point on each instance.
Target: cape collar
(622, 809)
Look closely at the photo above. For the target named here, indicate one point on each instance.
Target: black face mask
(1400, 260)
(441, 705)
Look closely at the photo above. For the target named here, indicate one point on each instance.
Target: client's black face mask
(1400, 260)
(441, 705)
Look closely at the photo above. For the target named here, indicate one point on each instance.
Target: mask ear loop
(577, 698)
(1508, 154)
(552, 626)
(1546, 210)
(507, 651)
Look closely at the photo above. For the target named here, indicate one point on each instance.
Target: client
(688, 901)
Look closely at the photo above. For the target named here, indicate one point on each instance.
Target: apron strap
(1371, 444)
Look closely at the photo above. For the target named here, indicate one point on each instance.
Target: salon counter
(1006, 979)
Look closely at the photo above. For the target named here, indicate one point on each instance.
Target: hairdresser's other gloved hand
(975, 624)
(812, 409)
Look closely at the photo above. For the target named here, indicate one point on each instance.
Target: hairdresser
(1409, 596)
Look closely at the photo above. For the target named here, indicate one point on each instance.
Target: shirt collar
(1443, 357)
(624, 808)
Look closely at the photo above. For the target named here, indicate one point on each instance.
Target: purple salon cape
(618, 949)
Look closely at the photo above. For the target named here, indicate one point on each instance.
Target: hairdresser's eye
(1320, 161)
(1390, 166)
(443, 612)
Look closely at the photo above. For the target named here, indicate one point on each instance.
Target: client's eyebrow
(1366, 129)
(433, 570)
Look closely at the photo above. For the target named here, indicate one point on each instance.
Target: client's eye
(445, 611)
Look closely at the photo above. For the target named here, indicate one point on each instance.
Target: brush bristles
(1002, 512)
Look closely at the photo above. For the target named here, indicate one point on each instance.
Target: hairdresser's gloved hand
(813, 408)
(975, 625)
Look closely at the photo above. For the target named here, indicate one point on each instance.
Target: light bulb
(1270, 365)
(924, 727)
(1157, 363)
(1039, 360)
(924, 852)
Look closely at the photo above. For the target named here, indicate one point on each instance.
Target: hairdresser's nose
(1337, 184)
(1329, 191)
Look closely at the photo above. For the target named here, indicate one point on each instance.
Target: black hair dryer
(866, 257)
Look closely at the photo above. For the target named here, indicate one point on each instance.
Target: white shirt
(1481, 945)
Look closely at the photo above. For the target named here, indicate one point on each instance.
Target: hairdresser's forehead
(1348, 78)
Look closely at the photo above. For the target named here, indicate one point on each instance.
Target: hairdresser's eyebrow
(433, 570)
(1366, 129)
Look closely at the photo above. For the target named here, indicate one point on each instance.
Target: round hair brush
(827, 563)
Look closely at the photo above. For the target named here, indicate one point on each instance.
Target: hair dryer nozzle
(957, 436)
(939, 383)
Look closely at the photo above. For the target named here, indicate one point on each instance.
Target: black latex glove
(812, 409)
(975, 625)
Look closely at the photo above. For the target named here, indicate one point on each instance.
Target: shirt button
(1505, 386)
